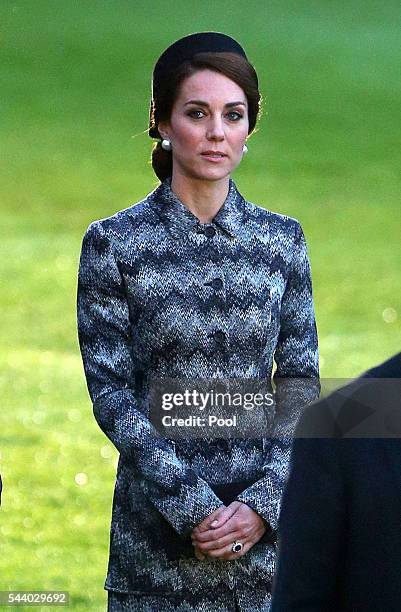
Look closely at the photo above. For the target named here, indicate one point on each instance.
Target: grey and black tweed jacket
(162, 295)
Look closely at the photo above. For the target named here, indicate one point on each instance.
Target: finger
(198, 554)
(242, 524)
(226, 553)
(213, 535)
(224, 515)
(252, 518)
(252, 536)
(220, 517)
(235, 526)
(222, 542)
(205, 524)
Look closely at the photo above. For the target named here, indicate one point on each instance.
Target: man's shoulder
(368, 406)
(391, 368)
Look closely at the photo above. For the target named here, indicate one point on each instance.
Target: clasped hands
(214, 536)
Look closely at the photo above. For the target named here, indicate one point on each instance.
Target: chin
(212, 174)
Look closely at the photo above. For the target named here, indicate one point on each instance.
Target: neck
(203, 198)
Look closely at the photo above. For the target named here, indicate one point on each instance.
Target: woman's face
(208, 126)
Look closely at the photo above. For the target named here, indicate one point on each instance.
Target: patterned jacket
(162, 295)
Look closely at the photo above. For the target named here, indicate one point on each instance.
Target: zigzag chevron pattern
(162, 296)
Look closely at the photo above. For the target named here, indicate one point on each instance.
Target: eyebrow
(202, 103)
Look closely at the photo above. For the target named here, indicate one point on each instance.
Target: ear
(163, 128)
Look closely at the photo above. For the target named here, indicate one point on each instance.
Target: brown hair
(232, 65)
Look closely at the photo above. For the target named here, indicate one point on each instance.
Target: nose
(215, 129)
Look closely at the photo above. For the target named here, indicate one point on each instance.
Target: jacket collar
(181, 221)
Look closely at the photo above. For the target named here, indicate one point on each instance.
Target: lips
(216, 154)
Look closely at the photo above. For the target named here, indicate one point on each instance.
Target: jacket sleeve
(296, 381)
(104, 329)
(312, 529)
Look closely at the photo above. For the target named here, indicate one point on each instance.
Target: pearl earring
(244, 149)
(166, 144)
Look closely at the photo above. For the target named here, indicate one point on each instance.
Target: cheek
(239, 141)
(244, 135)
(189, 141)
(186, 137)
(238, 136)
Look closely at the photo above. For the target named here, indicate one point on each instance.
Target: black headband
(185, 48)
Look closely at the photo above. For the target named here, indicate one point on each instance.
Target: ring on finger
(237, 546)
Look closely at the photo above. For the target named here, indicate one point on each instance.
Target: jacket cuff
(264, 500)
(185, 511)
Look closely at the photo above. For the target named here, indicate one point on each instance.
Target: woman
(195, 282)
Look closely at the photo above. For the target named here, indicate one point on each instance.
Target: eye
(196, 114)
(234, 116)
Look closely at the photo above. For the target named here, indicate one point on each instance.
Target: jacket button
(222, 445)
(217, 283)
(219, 337)
(209, 231)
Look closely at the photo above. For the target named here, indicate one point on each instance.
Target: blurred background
(75, 86)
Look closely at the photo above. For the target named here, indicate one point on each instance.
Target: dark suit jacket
(340, 523)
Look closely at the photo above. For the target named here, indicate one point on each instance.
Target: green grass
(75, 82)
